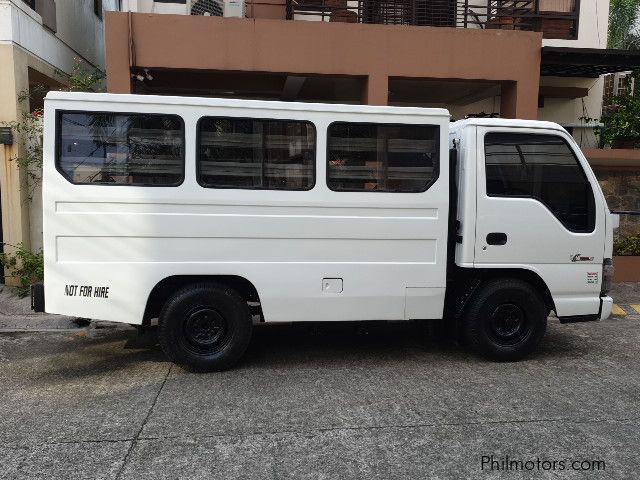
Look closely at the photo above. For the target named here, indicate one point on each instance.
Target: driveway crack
(346, 428)
(134, 442)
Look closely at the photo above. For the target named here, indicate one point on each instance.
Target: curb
(33, 323)
(625, 310)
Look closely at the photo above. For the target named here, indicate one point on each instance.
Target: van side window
(542, 167)
(253, 153)
(120, 148)
(382, 157)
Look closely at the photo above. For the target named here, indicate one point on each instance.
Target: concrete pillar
(274, 9)
(118, 53)
(519, 100)
(376, 90)
(13, 194)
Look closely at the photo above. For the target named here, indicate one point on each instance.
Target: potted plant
(627, 245)
(626, 258)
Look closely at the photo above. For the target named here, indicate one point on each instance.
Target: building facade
(40, 41)
(511, 58)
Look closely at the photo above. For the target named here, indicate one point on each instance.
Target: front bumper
(606, 305)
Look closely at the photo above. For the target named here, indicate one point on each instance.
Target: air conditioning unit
(209, 8)
(235, 8)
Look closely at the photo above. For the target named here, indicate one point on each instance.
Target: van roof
(505, 122)
(257, 104)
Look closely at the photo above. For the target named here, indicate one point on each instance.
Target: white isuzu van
(212, 215)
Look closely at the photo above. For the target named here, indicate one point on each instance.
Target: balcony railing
(46, 9)
(555, 18)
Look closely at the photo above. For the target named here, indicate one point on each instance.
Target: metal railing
(557, 18)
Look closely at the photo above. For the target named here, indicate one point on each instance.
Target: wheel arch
(169, 285)
(468, 280)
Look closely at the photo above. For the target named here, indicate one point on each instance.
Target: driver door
(536, 210)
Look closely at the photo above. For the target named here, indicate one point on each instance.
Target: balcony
(554, 18)
(46, 9)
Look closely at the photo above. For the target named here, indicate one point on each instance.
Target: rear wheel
(205, 327)
(506, 320)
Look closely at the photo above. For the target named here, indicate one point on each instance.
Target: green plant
(28, 129)
(29, 158)
(623, 21)
(22, 263)
(83, 78)
(25, 265)
(628, 245)
(622, 120)
(587, 120)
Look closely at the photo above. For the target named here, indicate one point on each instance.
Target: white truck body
(312, 254)
(538, 241)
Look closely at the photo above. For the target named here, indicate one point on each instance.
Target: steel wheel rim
(205, 330)
(508, 324)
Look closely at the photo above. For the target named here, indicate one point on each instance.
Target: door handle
(497, 238)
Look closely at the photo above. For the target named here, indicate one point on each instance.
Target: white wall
(592, 27)
(80, 28)
(79, 32)
(592, 33)
(569, 112)
(23, 27)
(149, 6)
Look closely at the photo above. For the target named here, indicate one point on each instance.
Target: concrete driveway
(337, 401)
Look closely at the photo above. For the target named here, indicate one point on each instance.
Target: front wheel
(506, 320)
(205, 327)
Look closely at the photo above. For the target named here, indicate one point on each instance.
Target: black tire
(505, 320)
(205, 327)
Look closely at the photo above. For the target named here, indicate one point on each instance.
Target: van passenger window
(253, 153)
(372, 157)
(120, 148)
(542, 167)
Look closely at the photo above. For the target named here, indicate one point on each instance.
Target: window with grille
(382, 157)
(120, 149)
(251, 153)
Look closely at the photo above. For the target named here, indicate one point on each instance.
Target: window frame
(548, 133)
(314, 168)
(58, 147)
(436, 168)
(553, 15)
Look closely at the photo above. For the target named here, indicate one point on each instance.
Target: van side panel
(389, 249)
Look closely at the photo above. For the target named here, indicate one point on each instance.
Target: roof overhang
(587, 62)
